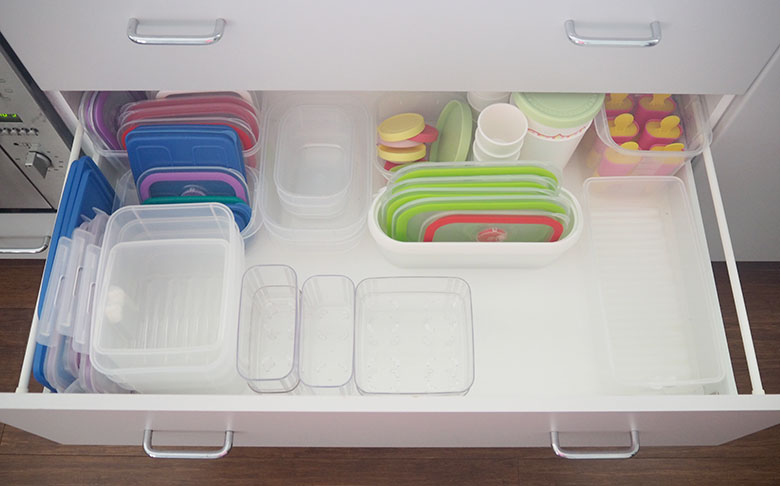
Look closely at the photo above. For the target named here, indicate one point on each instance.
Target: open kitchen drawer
(538, 370)
(537, 363)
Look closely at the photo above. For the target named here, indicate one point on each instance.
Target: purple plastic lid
(106, 108)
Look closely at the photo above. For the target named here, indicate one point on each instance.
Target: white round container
(556, 151)
(501, 128)
(556, 123)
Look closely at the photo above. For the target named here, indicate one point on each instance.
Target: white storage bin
(267, 353)
(650, 285)
(327, 334)
(467, 254)
(166, 306)
(413, 335)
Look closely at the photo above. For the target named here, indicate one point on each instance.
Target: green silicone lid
(559, 110)
(454, 126)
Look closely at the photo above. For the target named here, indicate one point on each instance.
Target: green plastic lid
(559, 110)
(454, 126)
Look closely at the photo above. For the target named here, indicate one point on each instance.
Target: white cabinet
(706, 47)
(536, 367)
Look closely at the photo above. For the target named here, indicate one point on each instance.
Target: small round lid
(401, 127)
(559, 110)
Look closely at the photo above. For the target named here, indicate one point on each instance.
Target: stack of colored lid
(402, 139)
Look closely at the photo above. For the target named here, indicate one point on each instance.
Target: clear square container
(326, 339)
(166, 302)
(650, 290)
(606, 158)
(314, 159)
(267, 355)
(413, 335)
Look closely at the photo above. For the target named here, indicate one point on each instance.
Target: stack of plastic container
(183, 148)
(316, 182)
(61, 361)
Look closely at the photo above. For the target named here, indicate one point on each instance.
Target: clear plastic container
(607, 158)
(166, 306)
(313, 166)
(335, 232)
(657, 336)
(326, 338)
(413, 335)
(267, 353)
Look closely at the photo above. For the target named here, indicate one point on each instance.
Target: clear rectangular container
(650, 294)
(413, 335)
(166, 306)
(334, 232)
(314, 158)
(607, 158)
(326, 339)
(267, 356)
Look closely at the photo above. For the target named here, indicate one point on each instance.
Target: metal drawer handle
(654, 39)
(626, 453)
(175, 40)
(183, 454)
(27, 251)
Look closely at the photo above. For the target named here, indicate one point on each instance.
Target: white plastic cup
(483, 155)
(479, 100)
(501, 129)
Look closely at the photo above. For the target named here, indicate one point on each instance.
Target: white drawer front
(706, 47)
(389, 422)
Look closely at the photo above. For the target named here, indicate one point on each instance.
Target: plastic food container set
(403, 335)
(155, 298)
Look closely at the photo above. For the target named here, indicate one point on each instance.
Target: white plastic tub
(457, 254)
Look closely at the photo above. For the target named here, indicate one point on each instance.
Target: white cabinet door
(706, 46)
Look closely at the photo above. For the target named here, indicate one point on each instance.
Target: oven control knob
(38, 161)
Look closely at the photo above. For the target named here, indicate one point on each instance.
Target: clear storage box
(166, 305)
(267, 352)
(607, 158)
(650, 287)
(413, 335)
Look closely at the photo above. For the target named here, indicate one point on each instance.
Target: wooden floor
(27, 459)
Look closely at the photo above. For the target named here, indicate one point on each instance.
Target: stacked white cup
(501, 130)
